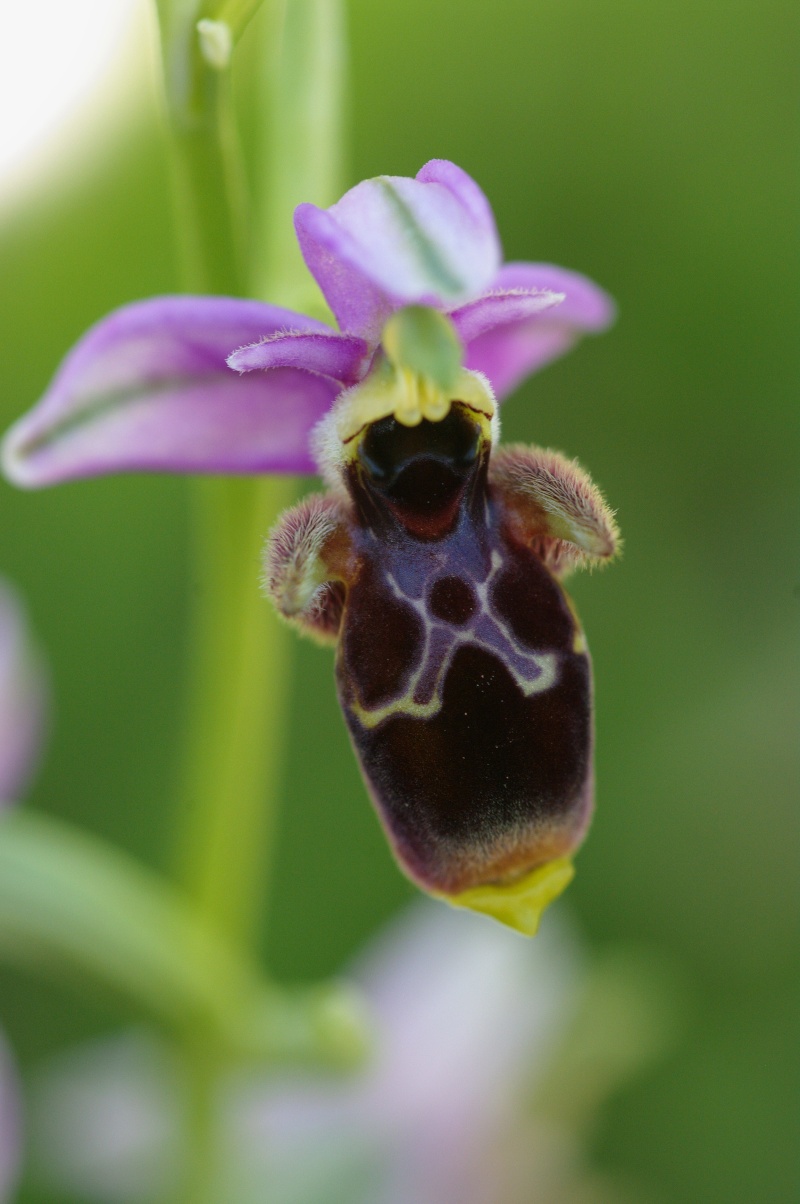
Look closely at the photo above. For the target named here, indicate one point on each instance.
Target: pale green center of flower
(418, 377)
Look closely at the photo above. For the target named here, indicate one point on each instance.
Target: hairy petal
(556, 507)
(507, 343)
(305, 562)
(148, 388)
(395, 241)
(343, 357)
(22, 698)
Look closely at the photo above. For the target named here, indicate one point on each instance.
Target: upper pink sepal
(395, 241)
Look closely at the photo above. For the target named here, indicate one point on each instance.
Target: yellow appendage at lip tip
(519, 904)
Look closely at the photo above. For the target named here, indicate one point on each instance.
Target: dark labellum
(462, 672)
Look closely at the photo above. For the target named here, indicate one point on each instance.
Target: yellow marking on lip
(518, 904)
(579, 645)
(410, 398)
(546, 663)
(370, 717)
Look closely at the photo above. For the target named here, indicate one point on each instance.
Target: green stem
(235, 13)
(240, 673)
(239, 693)
(207, 173)
(241, 676)
(303, 145)
(201, 1178)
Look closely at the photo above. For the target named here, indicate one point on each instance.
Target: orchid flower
(434, 561)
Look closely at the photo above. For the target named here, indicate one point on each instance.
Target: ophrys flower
(434, 561)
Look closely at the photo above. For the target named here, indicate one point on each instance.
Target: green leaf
(68, 899)
(71, 903)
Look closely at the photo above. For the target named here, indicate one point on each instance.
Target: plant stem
(303, 146)
(239, 674)
(239, 666)
(239, 694)
(201, 1177)
(208, 178)
(239, 678)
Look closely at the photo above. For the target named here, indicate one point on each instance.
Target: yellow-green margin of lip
(519, 904)
(418, 376)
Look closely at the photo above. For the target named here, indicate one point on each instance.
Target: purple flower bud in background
(492, 1055)
(22, 698)
(467, 1018)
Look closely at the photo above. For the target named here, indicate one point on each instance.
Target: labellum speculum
(463, 674)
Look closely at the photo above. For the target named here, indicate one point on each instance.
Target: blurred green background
(650, 146)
